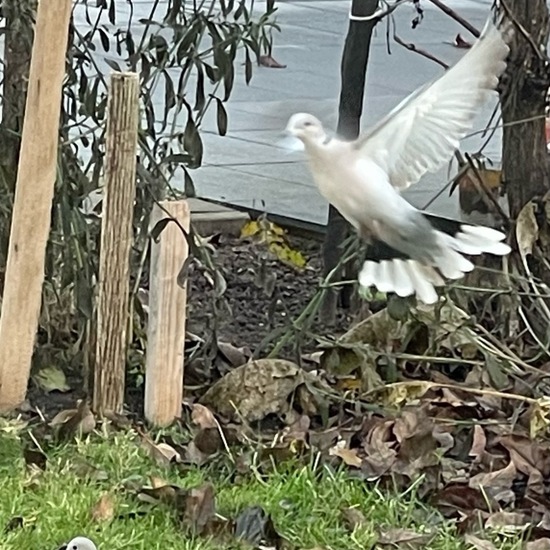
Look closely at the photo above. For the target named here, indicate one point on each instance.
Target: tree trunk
(525, 88)
(353, 73)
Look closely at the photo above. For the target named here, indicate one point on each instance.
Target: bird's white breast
(357, 187)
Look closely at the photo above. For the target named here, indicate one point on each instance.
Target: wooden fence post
(116, 241)
(166, 327)
(31, 216)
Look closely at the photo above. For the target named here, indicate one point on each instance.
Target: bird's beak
(289, 142)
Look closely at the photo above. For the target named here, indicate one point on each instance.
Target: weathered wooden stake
(116, 240)
(166, 327)
(31, 216)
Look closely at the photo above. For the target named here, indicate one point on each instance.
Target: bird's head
(305, 127)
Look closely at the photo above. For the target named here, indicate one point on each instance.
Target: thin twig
(459, 19)
(456, 387)
(412, 48)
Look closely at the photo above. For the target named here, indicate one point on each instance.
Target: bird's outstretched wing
(423, 131)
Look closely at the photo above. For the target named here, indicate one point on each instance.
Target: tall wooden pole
(116, 241)
(31, 216)
(350, 108)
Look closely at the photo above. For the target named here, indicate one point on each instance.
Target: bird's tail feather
(406, 276)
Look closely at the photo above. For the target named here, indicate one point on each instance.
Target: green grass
(305, 505)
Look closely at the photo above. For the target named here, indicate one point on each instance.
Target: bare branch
(459, 19)
(411, 47)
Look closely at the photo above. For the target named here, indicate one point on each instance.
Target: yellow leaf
(401, 392)
(287, 255)
(349, 384)
(250, 229)
(527, 229)
(264, 231)
(540, 420)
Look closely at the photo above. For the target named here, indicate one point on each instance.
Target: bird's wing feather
(423, 131)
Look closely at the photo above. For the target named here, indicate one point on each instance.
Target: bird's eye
(308, 123)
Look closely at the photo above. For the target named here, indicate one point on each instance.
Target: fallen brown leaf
(461, 43)
(459, 497)
(35, 457)
(263, 387)
(16, 522)
(529, 457)
(74, 422)
(203, 416)
(255, 526)
(403, 538)
(349, 456)
(353, 518)
(193, 455)
(208, 441)
(540, 544)
(162, 453)
(167, 494)
(495, 482)
(157, 482)
(200, 508)
(270, 62)
(104, 509)
(479, 544)
(380, 454)
(507, 521)
(235, 356)
(479, 443)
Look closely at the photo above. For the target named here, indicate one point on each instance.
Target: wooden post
(31, 216)
(166, 327)
(116, 240)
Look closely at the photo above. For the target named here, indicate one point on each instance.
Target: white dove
(363, 178)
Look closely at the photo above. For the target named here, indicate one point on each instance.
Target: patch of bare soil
(263, 293)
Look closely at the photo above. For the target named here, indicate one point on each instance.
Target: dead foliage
(416, 397)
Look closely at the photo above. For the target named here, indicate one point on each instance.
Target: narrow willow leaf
(169, 94)
(247, 67)
(192, 141)
(199, 91)
(184, 272)
(241, 10)
(158, 228)
(104, 39)
(228, 81)
(112, 12)
(130, 43)
(211, 72)
(179, 158)
(221, 117)
(189, 186)
(113, 64)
